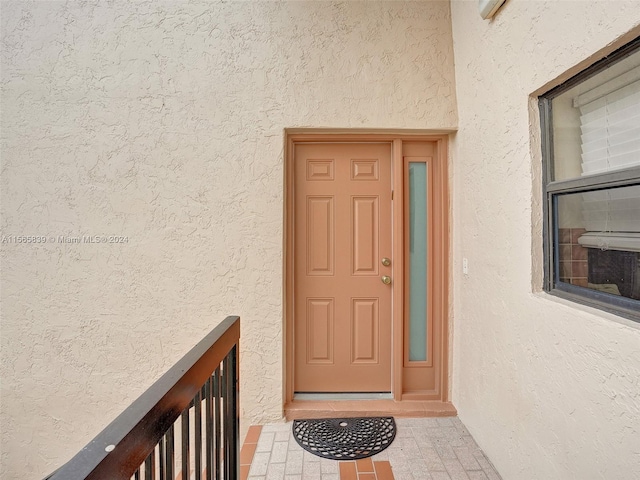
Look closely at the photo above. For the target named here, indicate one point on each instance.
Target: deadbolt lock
(386, 280)
(386, 262)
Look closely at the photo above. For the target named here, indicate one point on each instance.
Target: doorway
(366, 265)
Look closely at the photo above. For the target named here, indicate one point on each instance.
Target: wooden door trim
(441, 244)
(398, 268)
(441, 266)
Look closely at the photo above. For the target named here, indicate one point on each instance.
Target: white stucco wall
(549, 389)
(163, 122)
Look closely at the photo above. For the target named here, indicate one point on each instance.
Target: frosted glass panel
(417, 261)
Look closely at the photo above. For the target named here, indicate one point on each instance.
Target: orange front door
(342, 233)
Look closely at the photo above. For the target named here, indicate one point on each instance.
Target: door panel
(364, 222)
(342, 230)
(320, 236)
(364, 316)
(320, 330)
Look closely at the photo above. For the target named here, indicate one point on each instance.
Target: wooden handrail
(118, 451)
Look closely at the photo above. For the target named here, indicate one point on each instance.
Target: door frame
(440, 254)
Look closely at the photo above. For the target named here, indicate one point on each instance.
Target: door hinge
(391, 194)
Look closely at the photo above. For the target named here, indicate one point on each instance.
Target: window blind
(610, 138)
(610, 131)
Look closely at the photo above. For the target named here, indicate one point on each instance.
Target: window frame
(552, 190)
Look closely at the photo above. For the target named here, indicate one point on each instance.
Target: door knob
(386, 262)
(386, 280)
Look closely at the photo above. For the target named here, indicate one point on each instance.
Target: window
(591, 155)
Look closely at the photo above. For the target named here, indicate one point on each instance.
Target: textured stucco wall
(550, 390)
(163, 122)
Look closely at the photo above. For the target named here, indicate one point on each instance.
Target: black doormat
(345, 438)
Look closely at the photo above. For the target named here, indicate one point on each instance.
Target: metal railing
(194, 405)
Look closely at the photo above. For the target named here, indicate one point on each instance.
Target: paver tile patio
(424, 449)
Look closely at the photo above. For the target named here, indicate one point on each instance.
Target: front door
(342, 259)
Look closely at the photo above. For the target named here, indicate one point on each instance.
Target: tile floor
(424, 449)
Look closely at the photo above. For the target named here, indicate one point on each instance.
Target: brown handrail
(121, 448)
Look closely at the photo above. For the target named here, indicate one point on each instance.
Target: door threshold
(328, 397)
(300, 409)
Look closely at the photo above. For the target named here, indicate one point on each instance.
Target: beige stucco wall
(163, 122)
(549, 389)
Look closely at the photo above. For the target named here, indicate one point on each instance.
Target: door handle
(386, 262)
(386, 280)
